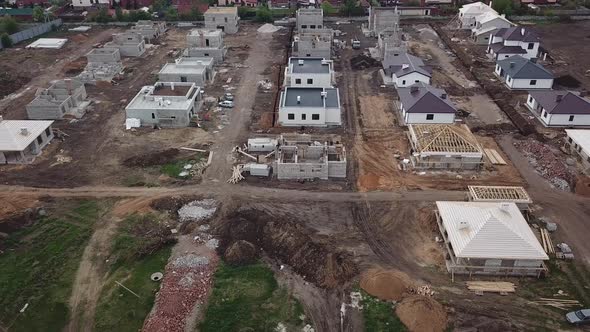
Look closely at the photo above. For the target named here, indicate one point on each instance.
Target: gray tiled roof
(395, 65)
(426, 99)
(499, 48)
(516, 33)
(519, 67)
(570, 102)
(310, 97)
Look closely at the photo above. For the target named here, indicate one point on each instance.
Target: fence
(34, 31)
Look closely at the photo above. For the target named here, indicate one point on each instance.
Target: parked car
(578, 317)
(228, 96)
(226, 104)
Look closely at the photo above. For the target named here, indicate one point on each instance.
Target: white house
(486, 25)
(489, 239)
(22, 140)
(469, 12)
(559, 108)
(422, 103)
(513, 41)
(522, 74)
(578, 142)
(91, 3)
(318, 107)
(309, 72)
(403, 69)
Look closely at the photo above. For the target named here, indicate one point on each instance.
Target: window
(291, 116)
(310, 81)
(213, 19)
(225, 19)
(571, 118)
(304, 26)
(297, 81)
(48, 132)
(417, 81)
(531, 46)
(396, 54)
(315, 116)
(303, 116)
(312, 26)
(429, 116)
(533, 82)
(183, 78)
(153, 115)
(404, 82)
(508, 79)
(544, 114)
(39, 140)
(319, 26)
(206, 54)
(569, 139)
(530, 99)
(207, 42)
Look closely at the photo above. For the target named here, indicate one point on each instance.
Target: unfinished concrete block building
(65, 97)
(128, 43)
(205, 43)
(310, 18)
(103, 65)
(444, 146)
(23, 140)
(223, 18)
(150, 30)
(303, 157)
(165, 104)
(317, 44)
(197, 70)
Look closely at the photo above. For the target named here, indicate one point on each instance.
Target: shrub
(5, 40)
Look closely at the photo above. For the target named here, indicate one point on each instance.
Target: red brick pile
(547, 163)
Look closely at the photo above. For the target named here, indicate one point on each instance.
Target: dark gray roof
(499, 48)
(310, 65)
(519, 34)
(425, 99)
(310, 97)
(519, 67)
(561, 102)
(404, 64)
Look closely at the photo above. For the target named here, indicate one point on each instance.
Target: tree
(328, 8)
(5, 40)
(351, 8)
(119, 15)
(503, 6)
(196, 14)
(38, 14)
(103, 16)
(159, 6)
(263, 14)
(172, 14)
(8, 24)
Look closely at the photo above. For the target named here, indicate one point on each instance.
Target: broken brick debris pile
(547, 163)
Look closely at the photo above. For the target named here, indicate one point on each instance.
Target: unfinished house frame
(488, 239)
(165, 104)
(205, 43)
(303, 157)
(23, 140)
(381, 18)
(103, 65)
(310, 18)
(316, 44)
(500, 194)
(444, 146)
(225, 19)
(150, 30)
(65, 97)
(128, 43)
(309, 72)
(197, 70)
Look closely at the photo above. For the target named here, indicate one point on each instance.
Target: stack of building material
(491, 286)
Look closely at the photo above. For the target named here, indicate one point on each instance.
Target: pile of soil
(172, 203)
(75, 67)
(289, 241)
(362, 61)
(241, 253)
(422, 313)
(10, 82)
(152, 159)
(385, 284)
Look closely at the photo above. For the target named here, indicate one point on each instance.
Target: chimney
(301, 62)
(505, 207)
(462, 225)
(1, 118)
(443, 96)
(413, 89)
(522, 31)
(24, 131)
(405, 66)
(298, 99)
(172, 86)
(558, 98)
(512, 64)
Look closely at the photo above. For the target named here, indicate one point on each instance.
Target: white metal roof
(489, 230)
(11, 138)
(580, 137)
(476, 8)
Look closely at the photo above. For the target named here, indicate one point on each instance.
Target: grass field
(173, 169)
(39, 268)
(379, 315)
(136, 254)
(248, 298)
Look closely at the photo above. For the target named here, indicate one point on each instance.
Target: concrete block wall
(337, 169)
(291, 171)
(198, 79)
(104, 55)
(216, 53)
(205, 38)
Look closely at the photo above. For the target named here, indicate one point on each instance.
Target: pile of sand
(421, 313)
(269, 28)
(385, 284)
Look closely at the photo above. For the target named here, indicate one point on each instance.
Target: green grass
(39, 269)
(119, 310)
(379, 315)
(174, 168)
(248, 298)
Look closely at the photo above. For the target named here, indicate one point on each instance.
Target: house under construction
(444, 146)
(498, 194)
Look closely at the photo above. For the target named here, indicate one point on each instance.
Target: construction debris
(424, 290)
(563, 304)
(546, 241)
(502, 287)
(546, 163)
(362, 61)
(197, 210)
(494, 157)
(237, 174)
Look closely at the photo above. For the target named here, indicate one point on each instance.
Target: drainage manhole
(157, 276)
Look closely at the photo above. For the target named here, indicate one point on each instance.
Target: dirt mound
(172, 203)
(241, 253)
(318, 260)
(152, 159)
(421, 313)
(385, 284)
(75, 67)
(10, 82)
(362, 61)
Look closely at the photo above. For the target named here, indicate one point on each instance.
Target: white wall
(328, 116)
(526, 83)
(411, 118)
(323, 80)
(564, 120)
(503, 56)
(531, 54)
(410, 79)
